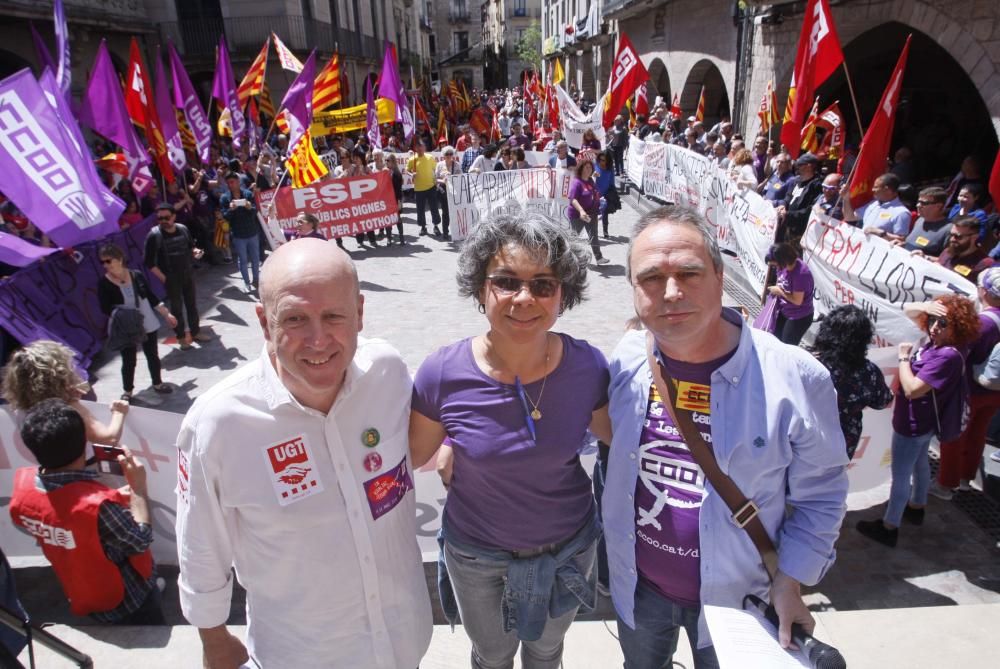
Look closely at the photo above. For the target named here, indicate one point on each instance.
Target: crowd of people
(528, 536)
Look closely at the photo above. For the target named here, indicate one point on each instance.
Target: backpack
(126, 326)
(987, 373)
(952, 417)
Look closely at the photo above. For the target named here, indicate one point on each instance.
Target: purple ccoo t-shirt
(508, 490)
(795, 280)
(671, 485)
(940, 367)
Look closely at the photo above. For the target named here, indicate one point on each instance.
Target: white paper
(746, 640)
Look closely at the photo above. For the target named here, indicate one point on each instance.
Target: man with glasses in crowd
(930, 231)
(776, 186)
(962, 254)
(830, 200)
(169, 255)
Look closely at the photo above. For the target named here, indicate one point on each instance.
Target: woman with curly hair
(842, 346)
(929, 395)
(44, 370)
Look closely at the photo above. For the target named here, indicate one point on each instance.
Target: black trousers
(129, 355)
(427, 199)
(579, 226)
(791, 331)
(445, 218)
(619, 158)
(181, 296)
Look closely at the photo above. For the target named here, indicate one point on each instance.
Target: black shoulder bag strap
(744, 510)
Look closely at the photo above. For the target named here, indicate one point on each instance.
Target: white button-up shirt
(318, 519)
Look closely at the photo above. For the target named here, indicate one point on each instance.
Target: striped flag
(809, 140)
(285, 57)
(305, 165)
(266, 104)
(765, 112)
(254, 79)
(327, 88)
(699, 114)
(187, 137)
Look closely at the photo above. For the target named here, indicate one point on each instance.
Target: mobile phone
(241, 202)
(106, 458)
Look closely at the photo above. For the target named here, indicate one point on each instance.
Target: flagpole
(854, 100)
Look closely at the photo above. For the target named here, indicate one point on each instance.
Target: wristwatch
(902, 359)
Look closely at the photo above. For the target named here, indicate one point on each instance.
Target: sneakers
(965, 485)
(423, 232)
(603, 261)
(941, 492)
(437, 231)
(163, 389)
(247, 288)
(913, 515)
(877, 531)
(995, 456)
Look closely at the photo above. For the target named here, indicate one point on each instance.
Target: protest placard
(352, 118)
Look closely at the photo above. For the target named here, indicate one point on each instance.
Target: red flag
(495, 133)
(871, 162)
(442, 129)
(809, 140)
(627, 74)
(142, 110)
(995, 182)
(478, 121)
(552, 101)
(675, 106)
(817, 57)
(699, 113)
(832, 120)
(641, 101)
(420, 112)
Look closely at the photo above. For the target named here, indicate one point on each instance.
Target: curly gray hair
(553, 244)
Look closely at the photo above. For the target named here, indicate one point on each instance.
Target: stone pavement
(411, 300)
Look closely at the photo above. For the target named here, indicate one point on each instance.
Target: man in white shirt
(295, 471)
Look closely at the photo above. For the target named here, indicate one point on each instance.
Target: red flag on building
(254, 79)
(699, 113)
(675, 106)
(818, 55)
(141, 109)
(641, 101)
(627, 74)
(871, 162)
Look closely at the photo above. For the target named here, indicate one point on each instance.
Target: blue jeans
(479, 588)
(247, 247)
(909, 458)
(651, 645)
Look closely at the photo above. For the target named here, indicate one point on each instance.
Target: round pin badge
(373, 462)
(370, 437)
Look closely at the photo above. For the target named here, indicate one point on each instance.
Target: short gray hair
(680, 215)
(554, 244)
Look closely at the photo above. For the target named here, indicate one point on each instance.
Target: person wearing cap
(803, 191)
(885, 216)
(447, 168)
(960, 457)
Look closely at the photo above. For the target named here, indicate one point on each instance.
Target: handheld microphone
(821, 655)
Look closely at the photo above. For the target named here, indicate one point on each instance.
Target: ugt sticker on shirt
(293, 473)
(387, 490)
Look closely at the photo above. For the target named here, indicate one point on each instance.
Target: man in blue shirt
(776, 186)
(672, 544)
(885, 216)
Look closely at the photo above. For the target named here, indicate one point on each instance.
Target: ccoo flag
(224, 90)
(875, 146)
(298, 102)
(142, 109)
(818, 55)
(168, 118)
(46, 173)
(371, 116)
(186, 100)
(627, 74)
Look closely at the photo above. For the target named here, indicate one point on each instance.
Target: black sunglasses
(511, 285)
(106, 261)
(937, 320)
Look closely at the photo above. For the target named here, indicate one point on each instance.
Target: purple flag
(64, 72)
(374, 136)
(42, 51)
(103, 111)
(298, 102)
(186, 100)
(168, 118)
(44, 173)
(19, 253)
(224, 90)
(390, 86)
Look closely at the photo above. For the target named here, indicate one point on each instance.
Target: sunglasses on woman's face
(511, 285)
(938, 321)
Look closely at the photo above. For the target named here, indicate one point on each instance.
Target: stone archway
(659, 81)
(705, 73)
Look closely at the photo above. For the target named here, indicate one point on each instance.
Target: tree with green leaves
(529, 48)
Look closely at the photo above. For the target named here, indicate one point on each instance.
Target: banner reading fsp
(473, 196)
(344, 206)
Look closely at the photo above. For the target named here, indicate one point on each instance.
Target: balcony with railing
(426, 21)
(246, 34)
(524, 12)
(458, 13)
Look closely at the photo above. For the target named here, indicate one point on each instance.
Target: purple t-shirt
(794, 280)
(584, 192)
(670, 487)
(941, 368)
(989, 336)
(508, 490)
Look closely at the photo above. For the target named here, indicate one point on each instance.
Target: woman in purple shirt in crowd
(305, 226)
(794, 291)
(585, 205)
(515, 404)
(929, 398)
(590, 141)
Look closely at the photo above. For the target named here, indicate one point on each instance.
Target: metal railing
(458, 14)
(246, 34)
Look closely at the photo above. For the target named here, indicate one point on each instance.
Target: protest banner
(344, 206)
(343, 120)
(473, 196)
(850, 267)
(635, 160)
(56, 297)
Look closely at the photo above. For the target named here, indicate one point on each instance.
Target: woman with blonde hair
(741, 169)
(44, 370)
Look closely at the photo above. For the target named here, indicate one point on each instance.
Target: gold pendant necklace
(535, 413)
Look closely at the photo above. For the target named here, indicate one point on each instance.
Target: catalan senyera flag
(304, 165)
(766, 112)
(326, 90)
(253, 81)
(286, 57)
(420, 113)
(266, 104)
(817, 57)
(810, 140)
(699, 113)
(466, 98)
(187, 137)
(456, 96)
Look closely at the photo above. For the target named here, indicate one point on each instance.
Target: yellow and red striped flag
(253, 81)
(266, 104)
(304, 165)
(809, 140)
(187, 137)
(699, 114)
(326, 90)
(766, 112)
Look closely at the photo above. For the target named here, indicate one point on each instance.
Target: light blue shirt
(776, 434)
(892, 217)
